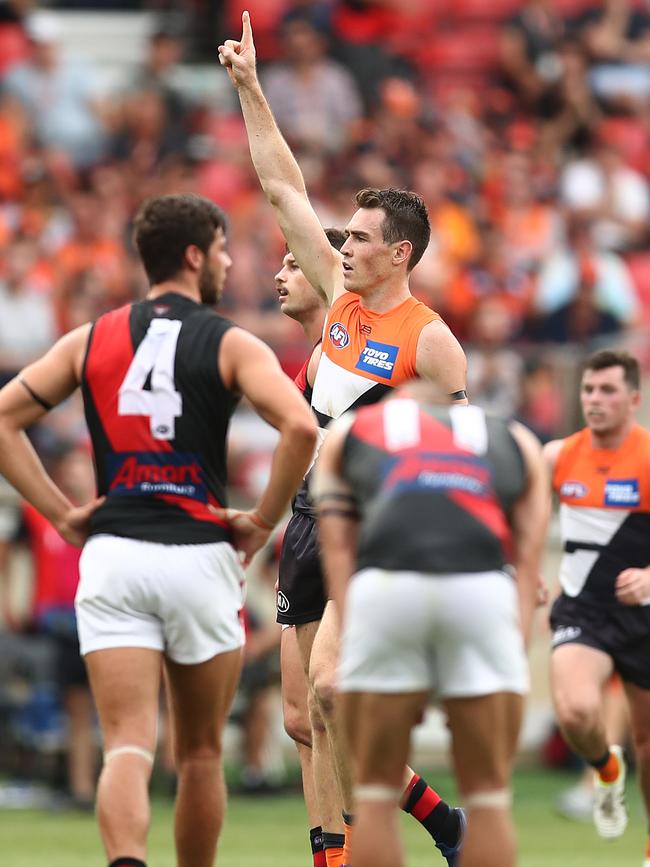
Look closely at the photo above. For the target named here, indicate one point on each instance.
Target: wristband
(257, 519)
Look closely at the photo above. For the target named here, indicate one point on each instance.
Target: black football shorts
(301, 585)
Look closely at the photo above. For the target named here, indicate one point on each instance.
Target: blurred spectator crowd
(524, 125)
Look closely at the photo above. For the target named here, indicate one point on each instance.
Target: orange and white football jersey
(604, 511)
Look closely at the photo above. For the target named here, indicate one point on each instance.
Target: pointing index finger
(247, 32)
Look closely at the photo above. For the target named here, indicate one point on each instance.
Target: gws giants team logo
(339, 335)
(282, 602)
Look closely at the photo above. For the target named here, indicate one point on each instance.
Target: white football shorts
(458, 635)
(184, 600)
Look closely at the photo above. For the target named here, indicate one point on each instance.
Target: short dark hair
(611, 358)
(167, 225)
(406, 218)
(336, 237)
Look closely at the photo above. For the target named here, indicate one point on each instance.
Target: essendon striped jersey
(604, 512)
(434, 486)
(158, 416)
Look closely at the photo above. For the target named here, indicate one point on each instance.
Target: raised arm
(279, 173)
(440, 359)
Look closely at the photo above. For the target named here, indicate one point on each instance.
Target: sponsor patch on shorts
(622, 492)
(282, 602)
(378, 358)
(564, 634)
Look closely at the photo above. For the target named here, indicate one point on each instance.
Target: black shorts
(301, 585)
(620, 631)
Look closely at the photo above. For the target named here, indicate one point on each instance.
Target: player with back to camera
(421, 508)
(161, 579)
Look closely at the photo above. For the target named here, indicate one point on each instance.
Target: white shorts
(184, 600)
(458, 635)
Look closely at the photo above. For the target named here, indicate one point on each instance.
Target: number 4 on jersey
(162, 403)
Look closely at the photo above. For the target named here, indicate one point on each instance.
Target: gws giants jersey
(365, 354)
(158, 416)
(434, 487)
(604, 512)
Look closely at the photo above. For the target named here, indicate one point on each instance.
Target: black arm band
(458, 395)
(47, 406)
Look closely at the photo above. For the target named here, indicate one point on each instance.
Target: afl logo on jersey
(282, 602)
(573, 490)
(339, 335)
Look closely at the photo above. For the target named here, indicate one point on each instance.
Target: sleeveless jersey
(365, 354)
(604, 512)
(434, 487)
(158, 416)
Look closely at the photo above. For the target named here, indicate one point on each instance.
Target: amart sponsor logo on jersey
(378, 358)
(149, 473)
(339, 335)
(622, 492)
(575, 490)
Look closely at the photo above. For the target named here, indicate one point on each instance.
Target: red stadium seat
(470, 49)
(483, 10)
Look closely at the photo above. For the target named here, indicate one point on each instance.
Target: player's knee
(324, 691)
(578, 712)
(297, 724)
(315, 717)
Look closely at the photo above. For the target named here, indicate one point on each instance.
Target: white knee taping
(497, 799)
(129, 749)
(377, 794)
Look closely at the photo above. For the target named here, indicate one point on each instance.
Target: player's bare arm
(441, 360)
(278, 171)
(249, 367)
(529, 520)
(338, 517)
(551, 452)
(23, 401)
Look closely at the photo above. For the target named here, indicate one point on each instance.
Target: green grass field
(271, 832)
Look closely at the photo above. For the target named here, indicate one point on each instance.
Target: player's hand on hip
(248, 534)
(75, 524)
(239, 57)
(633, 586)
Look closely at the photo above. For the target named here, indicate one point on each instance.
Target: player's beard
(209, 288)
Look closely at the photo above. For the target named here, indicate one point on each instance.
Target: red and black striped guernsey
(158, 416)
